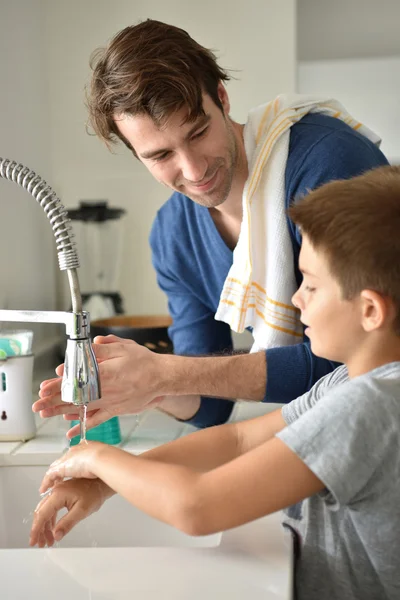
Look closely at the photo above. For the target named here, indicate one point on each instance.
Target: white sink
(116, 524)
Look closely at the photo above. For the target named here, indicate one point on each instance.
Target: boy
(337, 447)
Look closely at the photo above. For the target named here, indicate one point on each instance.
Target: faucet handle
(80, 384)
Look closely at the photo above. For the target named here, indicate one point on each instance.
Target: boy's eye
(308, 288)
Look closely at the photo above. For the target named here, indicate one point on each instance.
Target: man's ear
(224, 98)
(376, 310)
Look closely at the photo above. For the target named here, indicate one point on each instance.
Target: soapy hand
(79, 462)
(129, 374)
(80, 497)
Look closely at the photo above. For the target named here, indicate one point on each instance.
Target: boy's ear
(376, 310)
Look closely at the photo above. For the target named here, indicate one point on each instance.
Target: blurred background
(349, 49)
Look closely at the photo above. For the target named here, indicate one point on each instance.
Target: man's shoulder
(315, 127)
(324, 148)
(325, 134)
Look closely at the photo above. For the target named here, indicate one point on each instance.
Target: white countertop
(253, 561)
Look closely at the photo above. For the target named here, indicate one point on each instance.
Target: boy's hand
(80, 497)
(79, 462)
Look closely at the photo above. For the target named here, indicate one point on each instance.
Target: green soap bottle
(108, 432)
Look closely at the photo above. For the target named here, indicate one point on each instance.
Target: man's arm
(133, 379)
(242, 376)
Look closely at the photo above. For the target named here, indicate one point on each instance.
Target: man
(163, 95)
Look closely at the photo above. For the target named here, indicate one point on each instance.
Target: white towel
(261, 282)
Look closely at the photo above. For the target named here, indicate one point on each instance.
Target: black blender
(98, 231)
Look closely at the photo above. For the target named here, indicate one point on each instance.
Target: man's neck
(228, 216)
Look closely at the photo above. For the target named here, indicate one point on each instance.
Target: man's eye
(161, 157)
(199, 134)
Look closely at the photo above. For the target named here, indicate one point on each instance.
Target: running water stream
(82, 421)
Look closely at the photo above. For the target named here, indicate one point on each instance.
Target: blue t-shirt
(192, 261)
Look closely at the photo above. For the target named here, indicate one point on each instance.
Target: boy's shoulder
(373, 397)
(384, 379)
(337, 393)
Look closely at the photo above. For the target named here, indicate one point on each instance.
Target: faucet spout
(81, 383)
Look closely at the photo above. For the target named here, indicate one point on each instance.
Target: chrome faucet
(80, 384)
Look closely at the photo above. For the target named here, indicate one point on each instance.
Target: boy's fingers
(67, 522)
(48, 534)
(46, 510)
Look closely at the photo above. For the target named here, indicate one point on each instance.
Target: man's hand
(129, 374)
(81, 498)
(134, 379)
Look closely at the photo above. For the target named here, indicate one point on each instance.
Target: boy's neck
(371, 357)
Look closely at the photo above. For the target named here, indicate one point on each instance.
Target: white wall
(348, 29)
(368, 88)
(27, 265)
(256, 37)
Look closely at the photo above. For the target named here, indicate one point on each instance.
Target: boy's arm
(210, 448)
(210, 481)
(265, 479)
(200, 452)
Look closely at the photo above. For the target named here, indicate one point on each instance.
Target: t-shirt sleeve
(292, 411)
(194, 331)
(334, 436)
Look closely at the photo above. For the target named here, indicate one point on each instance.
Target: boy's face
(197, 159)
(333, 324)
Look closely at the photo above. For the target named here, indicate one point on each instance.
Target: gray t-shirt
(347, 431)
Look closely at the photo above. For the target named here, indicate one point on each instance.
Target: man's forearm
(180, 407)
(240, 376)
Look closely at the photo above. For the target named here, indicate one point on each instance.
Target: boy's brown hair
(152, 69)
(356, 224)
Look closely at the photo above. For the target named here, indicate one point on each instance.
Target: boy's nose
(296, 299)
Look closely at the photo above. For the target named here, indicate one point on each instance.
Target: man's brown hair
(152, 69)
(356, 224)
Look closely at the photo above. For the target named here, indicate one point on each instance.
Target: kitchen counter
(253, 561)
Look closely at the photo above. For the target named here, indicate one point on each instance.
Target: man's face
(333, 324)
(196, 159)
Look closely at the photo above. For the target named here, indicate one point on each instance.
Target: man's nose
(193, 167)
